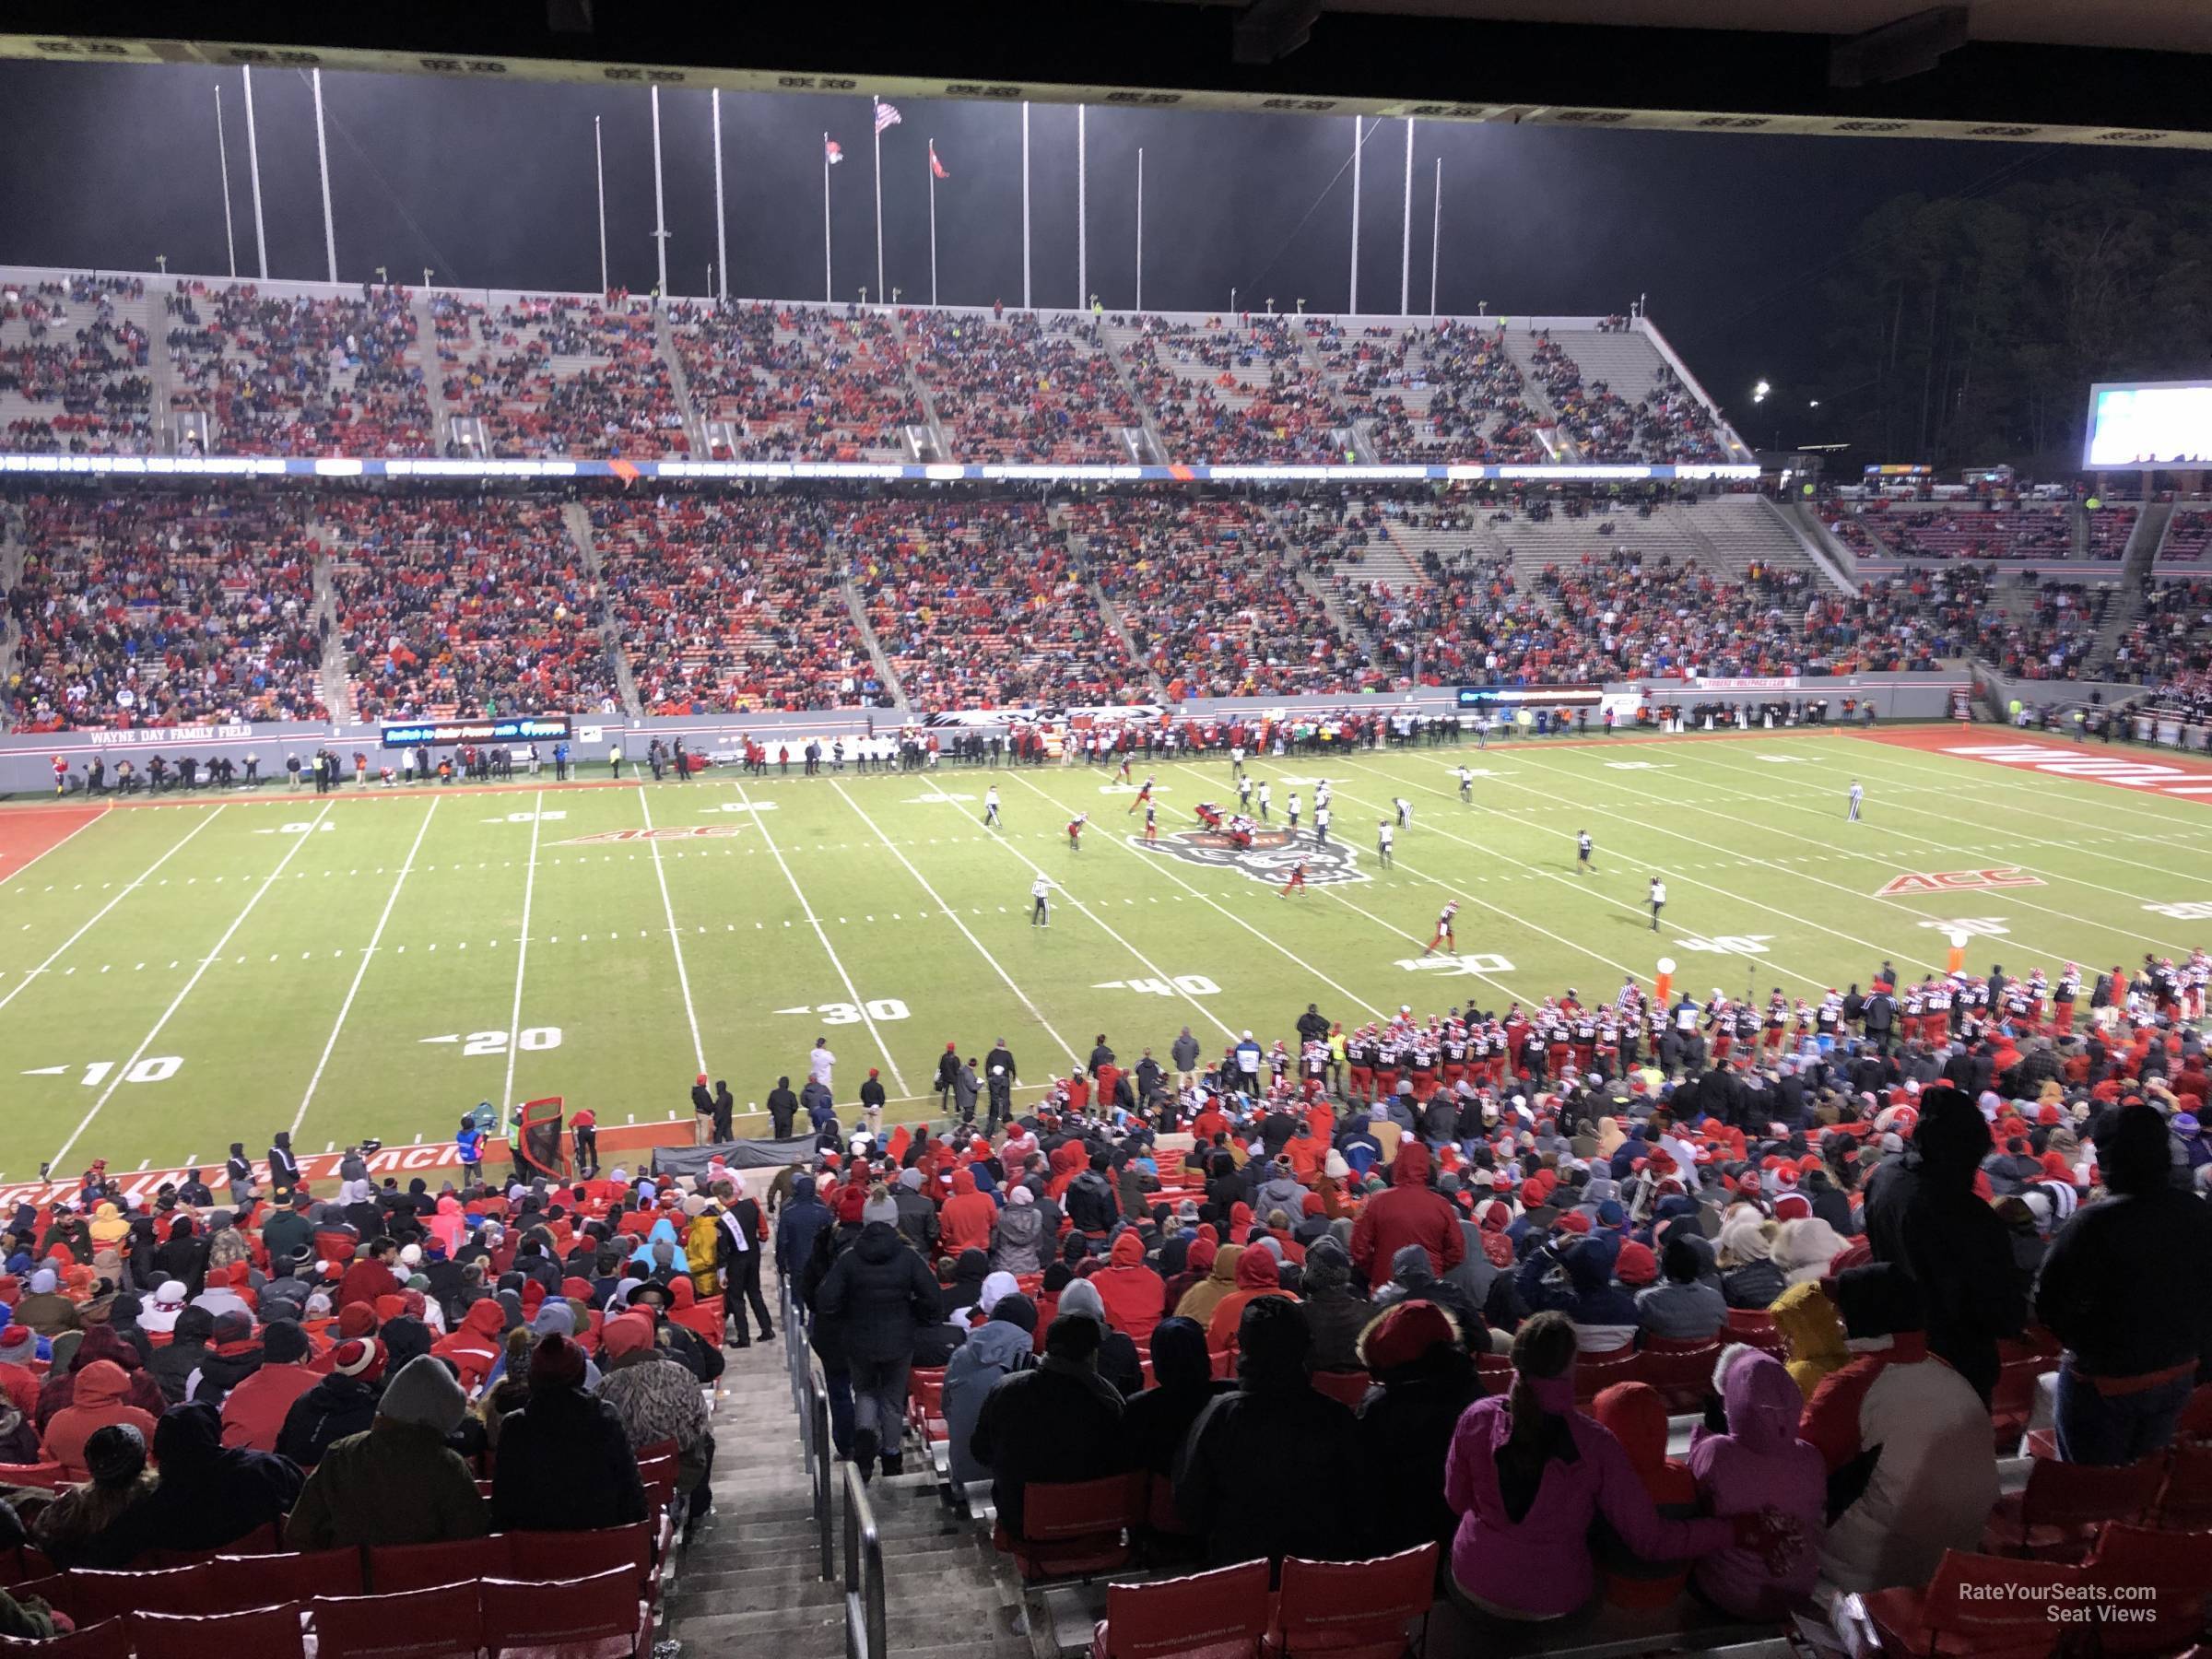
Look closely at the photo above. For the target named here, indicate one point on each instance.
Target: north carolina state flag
(624, 470)
(936, 168)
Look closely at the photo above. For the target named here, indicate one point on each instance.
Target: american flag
(886, 115)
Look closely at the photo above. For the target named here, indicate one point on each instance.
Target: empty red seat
(1684, 1375)
(1350, 1387)
(47, 1475)
(265, 1632)
(2152, 1588)
(548, 1557)
(419, 1624)
(1217, 1614)
(2185, 1498)
(1077, 1528)
(1979, 1605)
(2013, 1400)
(397, 1567)
(2056, 1515)
(1351, 1609)
(600, 1617)
(300, 1575)
(1594, 1373)
(111, 1639)
(703, 1318)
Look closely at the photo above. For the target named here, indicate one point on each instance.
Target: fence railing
(864, 1625)
(820, 1461)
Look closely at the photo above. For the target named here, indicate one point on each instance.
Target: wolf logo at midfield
(1269, 858)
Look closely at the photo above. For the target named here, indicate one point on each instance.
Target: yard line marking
(2142, 804)
(1073, 1059)
(368, 955)
(1160, 866)
(58, 845)
(169, 1013)
(522, 955)
(110, 905)
(822, 932)
(699, 1049)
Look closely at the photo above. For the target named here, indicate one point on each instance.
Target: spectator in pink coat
(1760, 1465)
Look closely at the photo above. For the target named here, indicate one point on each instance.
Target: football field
(179, 975)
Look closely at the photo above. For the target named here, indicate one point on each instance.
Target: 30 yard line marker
(368, 955)
(169, 1013)
(822, 934)
(522, 955)
(699, 1049)
(110, 905)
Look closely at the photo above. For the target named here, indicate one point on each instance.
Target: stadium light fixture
(1814, 405)
(1758, 392)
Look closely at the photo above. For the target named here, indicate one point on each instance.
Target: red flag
(936, 168)
(833, 151)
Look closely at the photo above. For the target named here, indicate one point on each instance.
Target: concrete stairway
(665, 337)
(576, 518)
(886, 675)
(919, 386)
(1079, 545)
(337, 684)
(433, 374)
(11, 572)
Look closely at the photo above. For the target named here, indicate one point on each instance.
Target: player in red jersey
(1144, 794)
(1151, 822)
(1075, 831)
(1297, 884)
(1445, 935)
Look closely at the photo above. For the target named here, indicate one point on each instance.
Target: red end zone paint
(29, 834)
(2180, 778)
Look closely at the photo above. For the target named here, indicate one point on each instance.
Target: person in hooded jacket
(1200, 1300)
(340, 1403)
(966, 1217)
(234, 1353)
(1134, 1294)
(1334, 1317)
(918, 1223)
(1002, 1345)
(1922, 1215)
(564, 1453)
(1259, 1274)
(474, 1348)
(1018, 1239)
(876, 1298)
(1091, 1202)
(1577, 1279)
(1058, 1421)
(209, 1495)
(1233, 1485)
(1812, 1335)
(802, 1216)
(77, 1529)
(1905, 1440)
(1409, 1213)
(100, 1342)
(45, 1310)
(100, 1397)
(1749, 1279)
(1424, 1380)
(186, 1351)
(1117, 1359)
(1759, 1465)
(1154, 1421)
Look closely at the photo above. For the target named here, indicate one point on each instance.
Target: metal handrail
(864, 1624)
(820, 1463)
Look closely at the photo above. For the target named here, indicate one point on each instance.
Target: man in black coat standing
(744, 1236)
(783, 1109)
(1000, 1074)
(877, 1296)
(1922, 1214)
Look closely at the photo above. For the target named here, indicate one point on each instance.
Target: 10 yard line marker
(368, 955)
(522, 953)
(169, 1013)
(683, 978)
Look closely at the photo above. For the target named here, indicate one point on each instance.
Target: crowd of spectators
(2034, 531)
(1647, 618)
(1020, 389)
(559, 375)
(982, 605)
(2051, 636)
(1907, 622)
(2169, 643)
(1232, 392)
(319, 376)
(2186, 536)
(798, 382)
(1666, 424)
(151, 609)
(465, 604)
(731, 602)
(76, 366)
(1449, 393)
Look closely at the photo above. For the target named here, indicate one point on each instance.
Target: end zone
(2180, 778)
(29, 834)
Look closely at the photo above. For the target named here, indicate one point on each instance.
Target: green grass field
(177, 977)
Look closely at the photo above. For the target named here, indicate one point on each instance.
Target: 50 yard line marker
(169, 1013)
(761, 820)
(522, 954)
(698, 1050)
(127, 888)
(368, 955)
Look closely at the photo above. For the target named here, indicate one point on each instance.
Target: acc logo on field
(671, 833)
(1957, 881)
(1273, 855)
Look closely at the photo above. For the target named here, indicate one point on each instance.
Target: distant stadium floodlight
(1758, 392)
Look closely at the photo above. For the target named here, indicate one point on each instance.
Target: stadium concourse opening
(1263, 953)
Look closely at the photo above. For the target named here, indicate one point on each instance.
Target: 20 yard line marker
(169, 1013)
(368, 955)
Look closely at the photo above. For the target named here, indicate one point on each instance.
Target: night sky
(1729, 237)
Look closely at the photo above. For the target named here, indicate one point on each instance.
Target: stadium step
(885, 672)
(663, 335)
(433, 378)
(577, 519)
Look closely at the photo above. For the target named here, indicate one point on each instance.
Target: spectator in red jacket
(254, 1412)
(371, 1276)
(1407, 1214)
(1136, 1297)
(968, 1216)
(102, 1399)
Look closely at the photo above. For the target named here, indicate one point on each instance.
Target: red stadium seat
(1593, 1374)
(2056, 1516)
(47, 1475)
(596, 1617)
(1975, 1607)
(704, 1318)
(1217, 1614)
(2197, 1416)
(19, 1564)
(1351, 1609)
(2173, 1567)
(111, 1639)
(265, 1632)
(301, 1575)
(1349, 1388)
(394, 1567)
(90, 1594)
(2013, 1400)
(1077, 1528)
(548, 1557)
(1683, 1375)
(421, 1624)
(2185, 1499)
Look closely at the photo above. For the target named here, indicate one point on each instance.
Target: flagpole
(330, 237)
(261, 240)
(1353, 309)
(828, 296)
(1406, 233)
(1025, 204)
(1436, 236)
(660, 212)
(932, 223)
(599, 176)
(722, 249)
(1140, 227)
(882, 293)
(1082, 212)
(222, 157)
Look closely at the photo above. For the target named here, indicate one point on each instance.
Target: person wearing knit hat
(1423, 1379)
(75, 1529)
(399, 1483)
(1636, 1266)
(565, 1453)
(46, 1309)
(341, 1401)
(657, 1398)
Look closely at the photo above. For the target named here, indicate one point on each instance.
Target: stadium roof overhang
(2117, 74)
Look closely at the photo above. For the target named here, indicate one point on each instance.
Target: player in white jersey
(1267, 796)
(1404, 808)
(1467, 785)
(1657, 900)
(1383, 833)
(1040, 901)
(991, 807)
(1857, 795)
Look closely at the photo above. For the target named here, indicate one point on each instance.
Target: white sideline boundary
(521, 955)
(368, 955)
(128, 887)
(996, 966)
(169, 1013)
(683, 978)
(822, 932)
